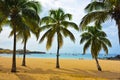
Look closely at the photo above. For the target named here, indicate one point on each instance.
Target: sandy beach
(71, 69)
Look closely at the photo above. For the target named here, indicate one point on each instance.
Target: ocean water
(62, 55)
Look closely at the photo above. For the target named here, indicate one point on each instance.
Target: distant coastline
(117, 57)
(20, 51)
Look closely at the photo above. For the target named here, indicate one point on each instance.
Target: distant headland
(117, 57)
(20, 51)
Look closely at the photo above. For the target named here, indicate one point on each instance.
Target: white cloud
(76, 8)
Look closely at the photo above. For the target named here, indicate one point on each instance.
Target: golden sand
(71, 69)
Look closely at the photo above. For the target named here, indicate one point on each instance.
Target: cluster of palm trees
(22, 16)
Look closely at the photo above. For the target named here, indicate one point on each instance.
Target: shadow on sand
(72, 72)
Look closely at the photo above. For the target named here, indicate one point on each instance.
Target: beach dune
(71, 69)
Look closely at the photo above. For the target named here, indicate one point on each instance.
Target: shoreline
(63, 58)
(66, 56)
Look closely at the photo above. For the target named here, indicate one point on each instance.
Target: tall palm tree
(57, 23)
(24, 33)
(102, 10)
(95, 39)
(19, 13)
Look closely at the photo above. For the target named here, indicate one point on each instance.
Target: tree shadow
(101, 74)
(37, 70)
(3, 69)
(91, 73)
(24, 77)
(56, 78)
(73, 72)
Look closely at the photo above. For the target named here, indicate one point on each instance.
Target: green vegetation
(56, 24)
(96, 39)
(5, 51)
(22, 17)
(19, 51)
(19, 14)
(100, 11)
(24, 33)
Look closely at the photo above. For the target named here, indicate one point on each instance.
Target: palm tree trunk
(119, 31)
(57, 61)
(14, 53)
(118, 25)
(98, 66)
(24, 55)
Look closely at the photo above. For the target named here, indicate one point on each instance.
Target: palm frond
(56, 21)
(45, 35)
(101, 34)
(53, 13)
(70, 24)
(46, 27)
(35, 5)
(11, 33)
(86, 46)
(85, 36)
(60, 38)
(105, 48)
(106, 41)
(67, 16)
(99, 16)
(30, 14)
(69, 34)
(95, 6)
(47, 20)
(4, 21)
(50, 39)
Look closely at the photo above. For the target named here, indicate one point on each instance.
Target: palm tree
(19, 13)
(96, 40)
(24, 33)
(100, 11)
(56, 23)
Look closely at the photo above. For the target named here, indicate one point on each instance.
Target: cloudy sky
(74, 7)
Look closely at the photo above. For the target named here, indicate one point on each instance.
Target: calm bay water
(62, 55)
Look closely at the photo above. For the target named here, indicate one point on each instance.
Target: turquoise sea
(62, 55)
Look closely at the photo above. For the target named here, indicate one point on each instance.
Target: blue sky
(74, 7)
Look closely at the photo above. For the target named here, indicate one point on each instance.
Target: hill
(19, 51)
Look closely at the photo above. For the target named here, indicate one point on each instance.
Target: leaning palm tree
(56, 24)
(96, 40)
(19, 13)
(101, 11)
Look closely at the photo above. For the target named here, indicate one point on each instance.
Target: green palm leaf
(99, 16)
(86, 46)
(99, 11)
(105, 48)
(45, 35)
(106, 41)
(22, 16)
(96, 39)
(67, 16)
(69, 34)
(57, 22)
(85, 36)
(35, 5)
(94, 6)
(70, 24)
(50, 39)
